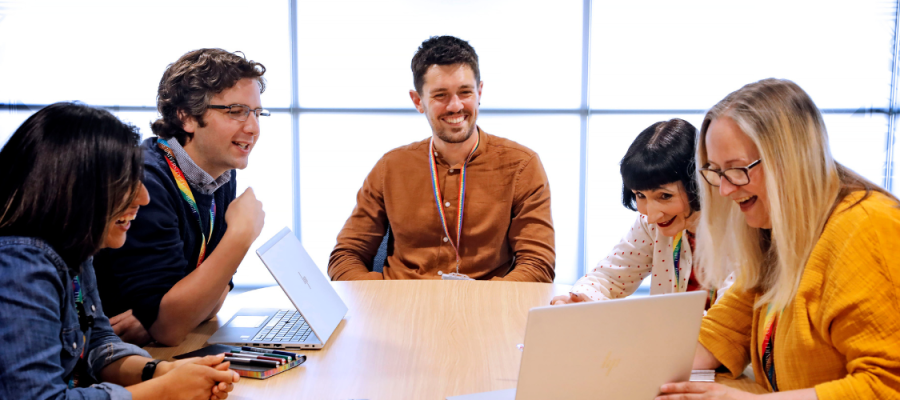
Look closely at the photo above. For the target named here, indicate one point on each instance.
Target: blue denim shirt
(40, 335)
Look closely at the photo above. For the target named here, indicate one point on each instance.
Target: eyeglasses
(240, 112)
(738, 176)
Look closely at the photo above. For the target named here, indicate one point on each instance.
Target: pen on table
(254, 356)
(256, 349)
(252, 361)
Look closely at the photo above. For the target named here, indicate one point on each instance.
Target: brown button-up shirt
(507, 230)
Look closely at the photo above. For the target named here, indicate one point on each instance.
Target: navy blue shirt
(163, 243)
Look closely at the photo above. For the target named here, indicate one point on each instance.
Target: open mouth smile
(746, 202)
(244, 146)
(667, 223)
(456, 119)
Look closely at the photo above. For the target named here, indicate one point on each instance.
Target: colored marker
(253, 356)
(284, 353)
(251, 361)
(285, 358)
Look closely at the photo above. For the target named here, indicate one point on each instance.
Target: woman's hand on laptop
(701, 390)
(569, 299)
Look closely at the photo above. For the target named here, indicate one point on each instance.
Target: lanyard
(768, 345)
(438, 198)
(676, 257)
(189, 198)
(678, 241)
(79, 303)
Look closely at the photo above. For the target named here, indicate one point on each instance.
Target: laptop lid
(303, 283)
(615, 349)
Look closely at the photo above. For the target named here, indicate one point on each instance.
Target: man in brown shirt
(506, 231)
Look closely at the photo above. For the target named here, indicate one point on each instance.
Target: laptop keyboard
(285, 326)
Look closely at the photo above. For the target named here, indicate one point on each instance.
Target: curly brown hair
(189, 83)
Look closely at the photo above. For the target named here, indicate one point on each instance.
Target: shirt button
(447, 204)
(446, 239)
(435, 153)
(451, 170)
(93, 307)
(75, 345)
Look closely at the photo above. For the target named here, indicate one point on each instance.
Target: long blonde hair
(803, 181)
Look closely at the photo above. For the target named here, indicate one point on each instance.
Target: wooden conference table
(404, 340)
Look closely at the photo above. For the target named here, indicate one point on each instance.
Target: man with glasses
(182, 249)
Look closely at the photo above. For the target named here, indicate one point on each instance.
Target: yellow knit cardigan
(841, 333)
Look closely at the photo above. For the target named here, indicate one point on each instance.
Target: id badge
(454, 276)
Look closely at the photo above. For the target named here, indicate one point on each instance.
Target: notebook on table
(318, 308)
(247, 369)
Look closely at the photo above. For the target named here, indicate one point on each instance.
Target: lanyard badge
(436, 188)
(188, 197)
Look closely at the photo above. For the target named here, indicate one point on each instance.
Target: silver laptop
(318, 308)
(616, 349)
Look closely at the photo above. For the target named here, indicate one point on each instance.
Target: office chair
(382, 253)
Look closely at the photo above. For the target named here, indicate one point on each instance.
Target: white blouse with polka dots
(643, 252)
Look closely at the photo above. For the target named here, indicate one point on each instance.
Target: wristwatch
(149, 370)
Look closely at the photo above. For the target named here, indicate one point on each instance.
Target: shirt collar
(482, 144)
(196, 177)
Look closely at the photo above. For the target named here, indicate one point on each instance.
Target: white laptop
(318, 308)
(616, 349)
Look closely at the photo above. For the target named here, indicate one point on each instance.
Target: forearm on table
(219, 305)
(194, 298)
(145, 390)
(357, 246)
(803, 394)
(125, 371)
(343, 267)
(704, 359)
(531, 269)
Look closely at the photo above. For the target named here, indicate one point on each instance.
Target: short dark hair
(189, 83)
(66, 172)
(442, 50)
(661, 154)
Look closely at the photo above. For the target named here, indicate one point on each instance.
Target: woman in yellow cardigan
(815, 249)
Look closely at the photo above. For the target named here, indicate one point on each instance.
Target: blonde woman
(815, 249)
(657, 181)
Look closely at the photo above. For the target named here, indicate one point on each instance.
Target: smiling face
(668, 207)
(224, 143)
(727, 147)
(117, 228)
(449, 98)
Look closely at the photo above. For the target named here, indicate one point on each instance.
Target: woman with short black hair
(71, 186)
(657, 181)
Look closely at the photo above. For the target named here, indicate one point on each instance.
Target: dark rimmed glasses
(241, 112)
(737, 176)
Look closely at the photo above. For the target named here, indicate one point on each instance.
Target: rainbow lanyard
(79, 299)
(436, 187)
(189, 198)
(676, 257)
(768, 345)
